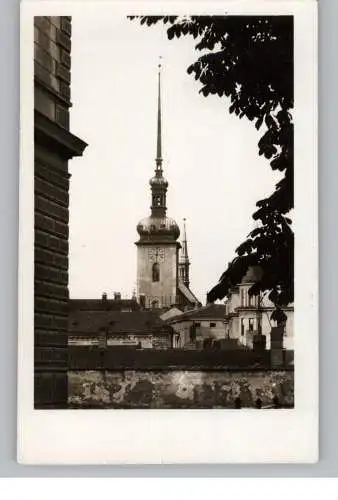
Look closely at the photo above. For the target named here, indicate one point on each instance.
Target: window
(154, 304)
(156, 272)
(250, 300)
(242, 327)
(251, 324)
(212, 325)
(197, 324)
(192, 332)
(157, 200)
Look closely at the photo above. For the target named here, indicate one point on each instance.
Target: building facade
(198, 328)
(247, 315)
(159, 284)
(54, 146)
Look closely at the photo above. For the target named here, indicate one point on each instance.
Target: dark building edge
(54, 146)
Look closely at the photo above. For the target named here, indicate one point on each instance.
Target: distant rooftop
(85, 322)
(117, 303)
(211, 311)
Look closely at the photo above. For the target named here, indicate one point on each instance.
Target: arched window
(157, 200)
(156, 272)
(154, 304)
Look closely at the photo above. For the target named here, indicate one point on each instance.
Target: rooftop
(86, 322)
(103, 304)
(211, 311)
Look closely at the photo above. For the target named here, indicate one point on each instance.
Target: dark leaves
(279, 316)
(249, 61)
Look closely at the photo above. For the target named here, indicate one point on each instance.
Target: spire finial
(184, 240)
(184, 230)
(159, 120)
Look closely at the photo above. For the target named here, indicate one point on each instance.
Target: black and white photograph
(163, 176)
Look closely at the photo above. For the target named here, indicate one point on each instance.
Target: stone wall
(180, 389)
(54, 145)
(129, 358)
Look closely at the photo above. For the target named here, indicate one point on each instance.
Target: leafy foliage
(249, 61)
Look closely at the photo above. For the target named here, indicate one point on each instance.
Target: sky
(210, 157)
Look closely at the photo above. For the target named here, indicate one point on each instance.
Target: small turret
(184, 263)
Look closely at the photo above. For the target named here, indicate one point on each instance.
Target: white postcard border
(181, 436)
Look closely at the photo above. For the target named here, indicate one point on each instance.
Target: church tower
(157, 247)
(184, 263)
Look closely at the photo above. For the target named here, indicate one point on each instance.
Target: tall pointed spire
(158, 183)
(184, 262)
(159, 124)
(184, 242)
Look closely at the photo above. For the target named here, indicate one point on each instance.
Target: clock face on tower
(156, 254)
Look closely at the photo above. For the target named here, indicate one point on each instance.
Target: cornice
(55, 138)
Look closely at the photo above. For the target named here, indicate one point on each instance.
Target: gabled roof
(187, 293)
(211, 311)
(94, 322)
(170, 313)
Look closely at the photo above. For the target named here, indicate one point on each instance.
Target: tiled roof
(91, 322)
(211, 311)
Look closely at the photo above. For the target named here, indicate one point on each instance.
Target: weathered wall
(179, 389)
(203, 331)
(54, 145)
(147, 341)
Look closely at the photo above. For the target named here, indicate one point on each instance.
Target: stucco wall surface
(179, 389)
